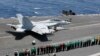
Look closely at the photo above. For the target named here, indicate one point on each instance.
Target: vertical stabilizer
(25, 22)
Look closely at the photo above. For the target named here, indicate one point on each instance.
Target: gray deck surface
(81, 27)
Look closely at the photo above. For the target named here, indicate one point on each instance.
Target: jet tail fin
(24, 21)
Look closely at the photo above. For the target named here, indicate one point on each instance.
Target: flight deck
(82, 26)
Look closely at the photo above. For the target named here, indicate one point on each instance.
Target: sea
(9, 8)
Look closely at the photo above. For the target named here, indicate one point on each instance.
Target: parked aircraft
(40, 27)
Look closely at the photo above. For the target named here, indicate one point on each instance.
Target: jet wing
(35, 29)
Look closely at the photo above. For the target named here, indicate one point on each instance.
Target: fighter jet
(40, 27)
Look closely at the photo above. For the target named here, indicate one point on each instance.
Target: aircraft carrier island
(82, 27)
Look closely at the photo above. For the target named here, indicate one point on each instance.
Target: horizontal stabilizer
(20, 30)
(10, 25)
